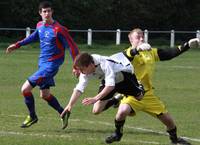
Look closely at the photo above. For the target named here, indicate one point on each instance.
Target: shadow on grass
(107, 131)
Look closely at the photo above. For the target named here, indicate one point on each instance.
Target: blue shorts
(44, 77)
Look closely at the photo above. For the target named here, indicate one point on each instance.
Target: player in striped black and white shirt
(116, 75)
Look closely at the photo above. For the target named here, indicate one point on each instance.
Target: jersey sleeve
(83, 81)
(109, 74)
(170, 53)
(155, 55)
(130, 53)
(32, 38)
(68, 42)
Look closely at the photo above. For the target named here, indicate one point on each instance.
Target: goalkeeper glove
(143, 47)
(131, 52)
(194, 43)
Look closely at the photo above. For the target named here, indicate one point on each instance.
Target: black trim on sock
(173, 134)
(119, 126)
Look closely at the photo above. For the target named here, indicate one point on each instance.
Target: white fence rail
(118, 33)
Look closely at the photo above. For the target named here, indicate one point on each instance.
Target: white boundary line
(91, 122)
(33, 134)
(141, 129)
(63, 136)
(179, 66)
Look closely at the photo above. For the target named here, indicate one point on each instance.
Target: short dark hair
(45, 4)
(83, 60)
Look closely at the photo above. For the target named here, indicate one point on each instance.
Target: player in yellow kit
(143, 62)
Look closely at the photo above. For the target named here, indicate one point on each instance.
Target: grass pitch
(176, 82)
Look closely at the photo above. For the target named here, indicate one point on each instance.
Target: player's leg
(45, 80)
(155, 107)
(54, 103)
(105, 102)
(123, 111)
(114, 101)
(99, 106)
(51, 100)
(30, 103)
(167, 120)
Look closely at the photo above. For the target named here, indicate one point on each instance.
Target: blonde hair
(137, 30)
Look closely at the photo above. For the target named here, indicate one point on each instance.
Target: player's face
(136, 38)
(46, 14)
(87, 70)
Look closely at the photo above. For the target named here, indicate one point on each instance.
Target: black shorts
(129, 86)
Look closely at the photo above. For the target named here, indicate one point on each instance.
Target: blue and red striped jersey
(54, 39)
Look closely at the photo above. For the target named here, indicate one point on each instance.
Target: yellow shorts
(150, 104)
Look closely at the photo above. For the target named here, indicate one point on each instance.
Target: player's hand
(67, 109)
(143, 47)
(89, 101)
(76, 72)
(10, 48)
(65, 117)
(194, 43)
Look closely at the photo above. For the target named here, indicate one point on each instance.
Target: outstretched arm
(106, 90)
(75, 95)
(33, 37)
(169, 53)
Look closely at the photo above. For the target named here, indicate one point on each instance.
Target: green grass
(176, 83)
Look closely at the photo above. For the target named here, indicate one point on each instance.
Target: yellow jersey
(144, 65)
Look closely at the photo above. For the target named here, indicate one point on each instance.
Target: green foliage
(109, 14)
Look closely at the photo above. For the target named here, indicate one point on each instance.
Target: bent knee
(45, 96)
(26, 92)
(121, 114)
(96, 111)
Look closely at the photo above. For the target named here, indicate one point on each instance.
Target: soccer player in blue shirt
(54, 38)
